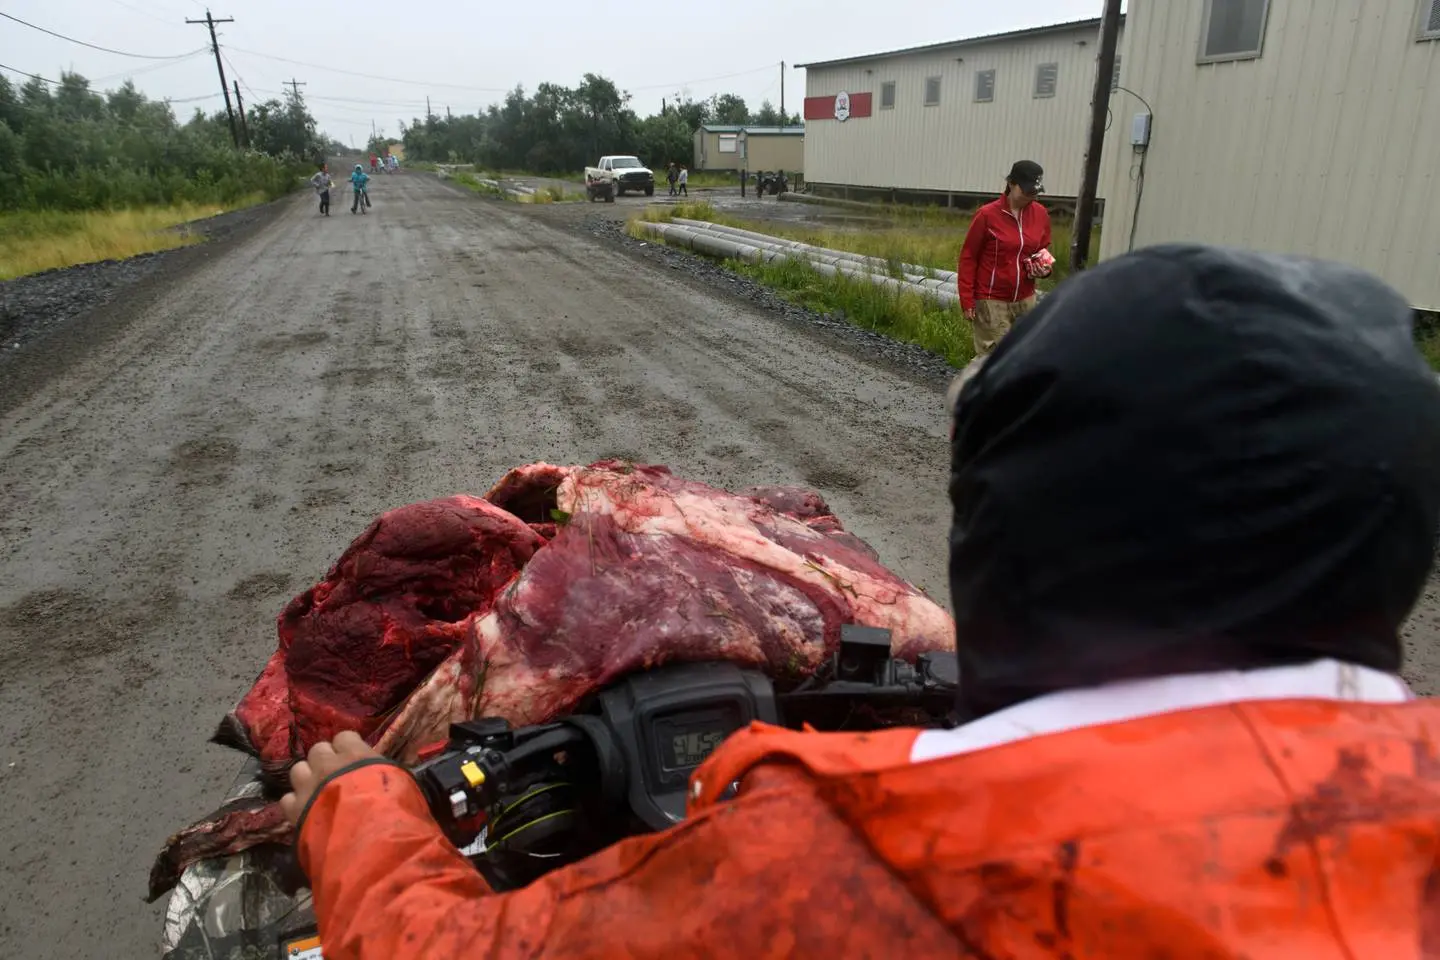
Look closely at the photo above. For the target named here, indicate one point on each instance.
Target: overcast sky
(465, 55)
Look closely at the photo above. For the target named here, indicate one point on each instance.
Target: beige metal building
(1303, 126)
(950, 118)
(720, 147)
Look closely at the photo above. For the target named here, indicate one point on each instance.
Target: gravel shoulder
(47, 319)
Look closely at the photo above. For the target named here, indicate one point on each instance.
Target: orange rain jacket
(1299, 828)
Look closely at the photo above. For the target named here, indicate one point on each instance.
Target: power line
(119, 53)
(367, 76)
(145, 13)
(686, 83)
(154, 66)
(27, 73)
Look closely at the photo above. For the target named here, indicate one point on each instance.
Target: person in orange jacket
(1195, 497)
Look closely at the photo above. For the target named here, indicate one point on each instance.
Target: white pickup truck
(614, 175)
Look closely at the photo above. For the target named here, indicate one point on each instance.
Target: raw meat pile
(521, 603)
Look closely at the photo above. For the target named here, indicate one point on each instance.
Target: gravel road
(184, 460)
(191, 463)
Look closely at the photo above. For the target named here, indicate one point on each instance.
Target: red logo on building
(841, 106)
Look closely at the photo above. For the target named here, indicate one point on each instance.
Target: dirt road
(163, 496)
(213, 446)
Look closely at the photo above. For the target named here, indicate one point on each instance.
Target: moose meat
(558, 582)
(392, 608)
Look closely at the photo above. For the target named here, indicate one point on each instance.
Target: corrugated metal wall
(959, 144)
(765, 152)
(1328, 144)
(775, 152)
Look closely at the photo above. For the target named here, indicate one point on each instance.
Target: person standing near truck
(672, 174)
(1002, 257)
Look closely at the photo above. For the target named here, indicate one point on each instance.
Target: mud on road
(167, 488)
(205, 447)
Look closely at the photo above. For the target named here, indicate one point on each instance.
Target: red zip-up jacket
(990, 260)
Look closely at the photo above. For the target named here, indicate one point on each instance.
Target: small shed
(717, 147)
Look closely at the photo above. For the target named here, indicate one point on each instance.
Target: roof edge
(963, 42)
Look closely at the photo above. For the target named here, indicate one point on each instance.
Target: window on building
(1233, 29)
(932, 91)
(887, 95)
(1115, 76)
(984, 86)
(1047, 77)
(1430, 20)
(728, 142)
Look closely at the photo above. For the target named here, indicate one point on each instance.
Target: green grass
(472, 183)
(903, 316)
(927, 237)
(569, 176)
(899, 314)
(702, 179)
(33, 241)
(550, 194)
(1427, 338)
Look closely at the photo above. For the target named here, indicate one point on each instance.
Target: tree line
(71, 148)
(562, 129)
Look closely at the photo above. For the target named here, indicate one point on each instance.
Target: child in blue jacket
(358, 179)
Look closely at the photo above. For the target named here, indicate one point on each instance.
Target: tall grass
(896, 313)
(32, 241)
(925, 237)
(903, 316)
(472, 183)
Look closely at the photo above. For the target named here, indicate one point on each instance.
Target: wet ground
(178, 463)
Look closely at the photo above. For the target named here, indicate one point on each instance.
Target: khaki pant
(993, 319)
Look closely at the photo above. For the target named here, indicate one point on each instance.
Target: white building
(1300, 126)
(950, 118)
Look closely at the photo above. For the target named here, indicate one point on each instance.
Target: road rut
(162, 498)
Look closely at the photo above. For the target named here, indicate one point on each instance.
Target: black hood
(1187, 459)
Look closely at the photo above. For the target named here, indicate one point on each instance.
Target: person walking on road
(358, 179)
(322, 184)
(684, 181)
(672, 175)
(1006, 250)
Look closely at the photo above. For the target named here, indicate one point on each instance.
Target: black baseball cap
(1027, 174)
(1190, 459)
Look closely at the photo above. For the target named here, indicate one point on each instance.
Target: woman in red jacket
(1001, 258)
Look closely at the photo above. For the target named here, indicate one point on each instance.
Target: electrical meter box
(1140, 130)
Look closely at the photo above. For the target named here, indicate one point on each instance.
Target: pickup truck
(614, 175)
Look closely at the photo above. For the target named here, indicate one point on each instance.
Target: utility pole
(427, 106)
(783, 121)
(1095, 149)
(294, 86)
(210, 22)
(240, 108)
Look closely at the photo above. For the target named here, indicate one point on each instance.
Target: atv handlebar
(523, 801)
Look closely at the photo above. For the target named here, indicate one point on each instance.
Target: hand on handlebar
(325, 759)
